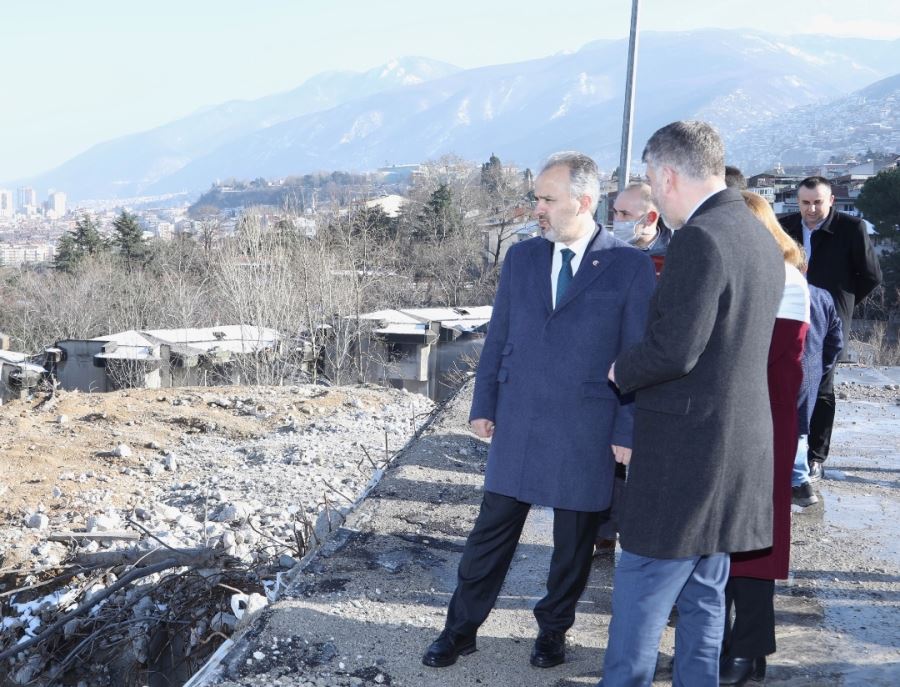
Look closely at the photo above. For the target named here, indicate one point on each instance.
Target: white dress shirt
(807, 237)
(578, 247)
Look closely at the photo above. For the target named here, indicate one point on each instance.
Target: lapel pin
(596, 262)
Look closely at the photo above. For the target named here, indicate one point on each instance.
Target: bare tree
(257, 284)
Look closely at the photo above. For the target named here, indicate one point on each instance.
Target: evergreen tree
(67, 253)
(492, 175)
(440, 218)
(528, 181)
(129, 239)
(87, 238)
(879, 200)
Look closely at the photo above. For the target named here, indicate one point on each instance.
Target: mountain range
(766, 94)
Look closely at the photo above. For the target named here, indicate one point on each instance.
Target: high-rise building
(27, 199)
(7, 206)
(56, 203)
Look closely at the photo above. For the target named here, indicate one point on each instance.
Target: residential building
(16, 255)
(505, 229)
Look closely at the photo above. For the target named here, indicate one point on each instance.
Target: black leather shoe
(549, 649)
(737, 671)
(803, 495)
(447, 648)
(816, 471)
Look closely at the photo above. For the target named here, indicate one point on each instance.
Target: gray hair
(694, 149)
(584, 177)
(644, 193)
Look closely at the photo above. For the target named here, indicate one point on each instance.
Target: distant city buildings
(17, 255)
(7, 204)
(27, 200)
(56, 204)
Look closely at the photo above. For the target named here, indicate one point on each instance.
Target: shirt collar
(818, 225)
(578, 247)
(697, 206)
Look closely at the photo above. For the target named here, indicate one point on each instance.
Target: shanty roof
(144, 345)
(13, 357)
(481, 313)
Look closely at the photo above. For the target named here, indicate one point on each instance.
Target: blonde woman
(750, 591)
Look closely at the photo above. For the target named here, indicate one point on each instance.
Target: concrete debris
(234, 511)
(37, 521)
(104, 522)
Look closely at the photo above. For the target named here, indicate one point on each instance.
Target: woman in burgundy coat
(751, 586)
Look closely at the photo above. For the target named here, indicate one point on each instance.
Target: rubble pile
(206, 498)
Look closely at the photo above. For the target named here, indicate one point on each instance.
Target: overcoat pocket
(672, 405)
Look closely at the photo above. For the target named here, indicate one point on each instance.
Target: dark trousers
(822, 420)
(751, 633)
(489, 551)
(609, 518)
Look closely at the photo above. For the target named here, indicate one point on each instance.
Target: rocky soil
(257, 476)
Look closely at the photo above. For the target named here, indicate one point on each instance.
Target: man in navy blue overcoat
(567, 304)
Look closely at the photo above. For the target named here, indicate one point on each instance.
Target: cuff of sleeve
(624, 440)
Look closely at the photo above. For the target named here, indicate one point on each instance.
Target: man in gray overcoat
(700, 477)
(567, 304)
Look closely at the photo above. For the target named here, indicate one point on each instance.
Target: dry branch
(135, 574)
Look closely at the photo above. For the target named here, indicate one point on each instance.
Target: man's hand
(612, 373)
(621, 454)
(482, 428)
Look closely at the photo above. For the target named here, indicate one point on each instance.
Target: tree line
(312, 289)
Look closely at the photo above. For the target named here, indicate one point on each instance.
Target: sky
(76, 73)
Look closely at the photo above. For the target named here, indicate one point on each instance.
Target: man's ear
(652, 217)
(584, 204)
(670, 178)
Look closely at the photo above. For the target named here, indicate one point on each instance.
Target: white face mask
(626, 229)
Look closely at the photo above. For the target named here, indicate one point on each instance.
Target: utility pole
(628, 116)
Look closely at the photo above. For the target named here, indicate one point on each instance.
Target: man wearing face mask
(636, 220)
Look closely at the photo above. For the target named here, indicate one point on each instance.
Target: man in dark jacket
(841, 261)
(567, 304)
(700, 478)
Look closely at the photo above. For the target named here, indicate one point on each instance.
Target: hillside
(868, 119)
